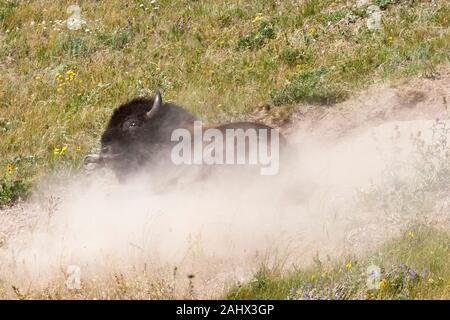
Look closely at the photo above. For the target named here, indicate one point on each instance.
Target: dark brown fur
(131, 141)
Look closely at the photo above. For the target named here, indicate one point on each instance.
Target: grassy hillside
(219, 59)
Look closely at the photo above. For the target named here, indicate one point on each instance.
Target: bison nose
(93, 161)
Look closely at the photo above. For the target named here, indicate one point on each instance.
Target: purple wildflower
(306, 294)
(412, 273)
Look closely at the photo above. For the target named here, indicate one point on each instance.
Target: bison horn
(156, 105)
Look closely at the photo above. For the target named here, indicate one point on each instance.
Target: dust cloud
(222, 227)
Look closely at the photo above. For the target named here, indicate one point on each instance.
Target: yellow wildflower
(348, 265)
(78, 148)
(258, 17)
(390, 38)
(10, 168)
(37, 78)
(70, 75)
(383, 283)
(312, 30)
(411, 234)
(298, 67)
(59, 151)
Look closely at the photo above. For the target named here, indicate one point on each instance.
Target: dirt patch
(16, 219)
(404, 100)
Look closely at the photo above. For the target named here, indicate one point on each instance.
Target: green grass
(11, 191)
(414, 266)
(315, 86)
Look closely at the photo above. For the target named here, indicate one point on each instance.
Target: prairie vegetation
(222, 61)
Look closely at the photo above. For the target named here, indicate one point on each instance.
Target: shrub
(257, 39)
(11, 191)
(315, 86)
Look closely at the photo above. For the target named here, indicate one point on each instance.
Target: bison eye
(130, 125)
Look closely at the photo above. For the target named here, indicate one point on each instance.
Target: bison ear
(156, 106)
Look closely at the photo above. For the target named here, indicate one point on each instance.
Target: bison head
(139, 132)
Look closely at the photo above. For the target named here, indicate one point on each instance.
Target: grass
(414, 266)
(219, 60)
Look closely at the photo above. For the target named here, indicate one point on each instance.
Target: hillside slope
(219, 60)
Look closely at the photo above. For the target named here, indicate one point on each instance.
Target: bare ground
(401, 100)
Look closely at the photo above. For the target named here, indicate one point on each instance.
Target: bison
(140, 133)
